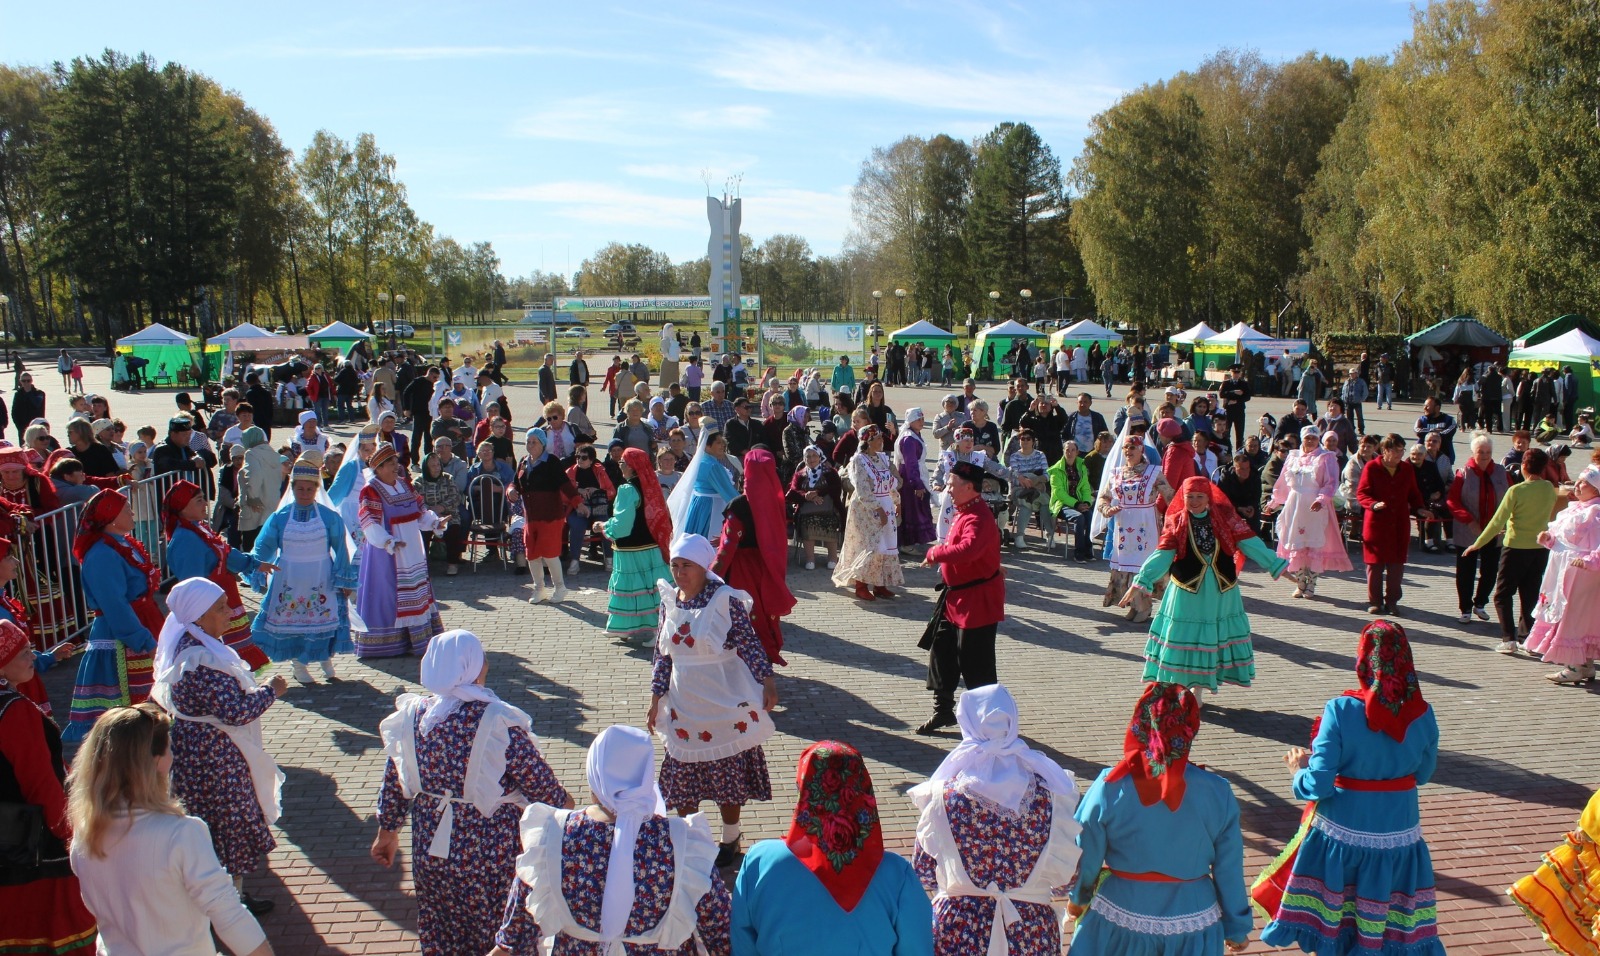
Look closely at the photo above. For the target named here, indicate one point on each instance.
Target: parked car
(576, 332)
(401, 330)
(872, 331)
(621, 333)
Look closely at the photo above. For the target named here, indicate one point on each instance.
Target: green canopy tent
(1558, 326)
(339, 337)
(174, 358)
(1222, 350)
(992, 344)
(1571, 348)
(1084, 333)
(924, 332)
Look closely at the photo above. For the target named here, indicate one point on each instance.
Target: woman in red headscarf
(196, 551)
(640, 531)
(1363, 853)
(26, 493)
(1162, 869)
(1200, 635)
(828, 886)
(13, 610)
(119, 587)
(753, 555)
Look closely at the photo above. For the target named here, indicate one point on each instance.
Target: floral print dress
(460, 897)
(1138, 525)
(585, 855)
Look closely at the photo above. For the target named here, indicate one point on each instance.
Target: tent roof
(1086, 330)
(1461, 330)
(1235, 334)
(922, 329)
(156, 334)
(245, 330)
(339, 330)
(1190, 336)
(1555, 327)
(1011, 328)
(1569, 345)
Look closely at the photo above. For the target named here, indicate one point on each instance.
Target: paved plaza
(1506, 787)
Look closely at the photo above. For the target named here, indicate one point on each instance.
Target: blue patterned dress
(209, 774)
(460, 898)
(734, 780)
(1363, 879)
(585, 855)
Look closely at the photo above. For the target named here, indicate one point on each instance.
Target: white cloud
(726, 117)
(713, 172)
(630, 121)
(842, 69)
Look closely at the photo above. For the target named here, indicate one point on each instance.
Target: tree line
(132, 192)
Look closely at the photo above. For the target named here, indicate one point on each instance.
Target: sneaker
(572, 566)
(832, 563)
(1465, 618)
(1480, 613)
(811, 565)
(327, 670)
(1508, 647)
(301, 674)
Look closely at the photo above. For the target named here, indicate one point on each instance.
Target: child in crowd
(667, 470)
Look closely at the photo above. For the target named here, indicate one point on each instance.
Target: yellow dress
(1562, 897)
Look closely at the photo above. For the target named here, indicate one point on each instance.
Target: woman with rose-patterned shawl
(996, 836)
(1361, 880)
(462, 765)
(828, 888)
(617, 871)
(119, 586)
(710, 691)
(1162, 870)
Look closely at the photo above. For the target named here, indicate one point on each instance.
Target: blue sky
(551, 129)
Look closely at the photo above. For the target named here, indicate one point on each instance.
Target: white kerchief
(621, 767)
(188, 600)
(991, 761)
(694, 547)
(450, 669)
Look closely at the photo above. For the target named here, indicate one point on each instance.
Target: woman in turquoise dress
(1200, 636)
(640, 531)
(1361, 880)
(1162, 870)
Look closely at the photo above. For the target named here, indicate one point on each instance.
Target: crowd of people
(689, 511)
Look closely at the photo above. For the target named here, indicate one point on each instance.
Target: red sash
(1408, 782)
(1151, 877)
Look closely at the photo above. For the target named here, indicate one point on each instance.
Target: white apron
(712, 708)
(305, 570)
(1056, 864)
(485, 765)
(694, 854)
(265, 776)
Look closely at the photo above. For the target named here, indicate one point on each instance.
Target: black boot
(255, 904)
(944, 715)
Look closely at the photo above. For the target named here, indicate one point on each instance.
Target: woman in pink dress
(1566, 622)
(1308, 523)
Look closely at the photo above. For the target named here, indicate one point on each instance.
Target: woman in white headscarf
(220, 769)
(671, 352)
(996, 835)
(624, 832)
(462, 764)
(702, 494)
(307, 436)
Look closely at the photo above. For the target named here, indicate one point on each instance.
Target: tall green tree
(1017, 199)
(25, 102)
(942, 280)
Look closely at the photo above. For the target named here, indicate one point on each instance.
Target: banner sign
(1263, 346)
(807, 344)
(649, 303)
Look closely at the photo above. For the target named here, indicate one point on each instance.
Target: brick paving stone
(1506, 788)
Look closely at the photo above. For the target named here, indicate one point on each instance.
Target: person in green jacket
(844, 377)
(1071, 497)
(1523, 515)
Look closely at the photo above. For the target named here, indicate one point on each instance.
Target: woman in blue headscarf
(703, 493)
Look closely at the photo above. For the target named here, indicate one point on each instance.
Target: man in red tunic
(972, 600)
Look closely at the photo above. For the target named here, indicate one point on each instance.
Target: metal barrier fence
(49, 583)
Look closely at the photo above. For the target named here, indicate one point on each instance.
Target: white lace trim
(1396, 840)
(1024, 806)
(1155, 925)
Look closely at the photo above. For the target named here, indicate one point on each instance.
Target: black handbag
(23, 842)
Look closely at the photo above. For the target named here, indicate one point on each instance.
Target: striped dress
(116, 670)
(393, 596)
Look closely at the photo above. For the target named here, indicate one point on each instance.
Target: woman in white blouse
(379, 403)
(148, 872)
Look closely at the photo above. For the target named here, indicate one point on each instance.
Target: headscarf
(656, 517)
(704, 476)
(1388, 679)
(1226, 524)
(1156, 749)
(307, 416)
(800, 415)
(835, 832)
(186, 601)
(13, 457)
(178, 498)
(694, 547)
(450, 669)
(544, 444)
(1591, 476)
(915, 415)
(101, 510)
(621, 767)
(866, 435)
(252, 436)
(1310, 431)
(764, 493)
(13, 641)
(991, 760)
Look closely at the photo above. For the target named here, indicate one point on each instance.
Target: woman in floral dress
(578, 878)
(196, 551)
(119, 586)
(870, 558)
(1162, 870)
(220, 769)
(394, 597)
(1128, 502)
(995, 814)
(304, 616)
(463, 811)
(711, 712)
(1308, 524)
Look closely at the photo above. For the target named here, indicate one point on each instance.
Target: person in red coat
(1388, 494)
(972, 599)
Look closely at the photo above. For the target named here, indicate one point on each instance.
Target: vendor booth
(1190, 336)
(1221, 350)
(1085, 333)
(220, 348)
(922, 331)
(992, 345)
(339, 337)
(157, 355)
(1558, 326)
(1573, 348)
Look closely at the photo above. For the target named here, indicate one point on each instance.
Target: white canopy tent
(1083, 332)
(1188, 337)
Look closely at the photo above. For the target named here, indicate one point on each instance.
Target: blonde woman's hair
(553, 406)
(115, 773)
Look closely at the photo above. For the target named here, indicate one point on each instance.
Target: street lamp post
(384, 298)
(900, 294)
(1027, 298)
(877, 315)
(994, 303)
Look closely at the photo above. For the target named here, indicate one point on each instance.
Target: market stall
(992, 345)
(166, 357)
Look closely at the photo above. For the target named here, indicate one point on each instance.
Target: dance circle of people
(145, 845)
